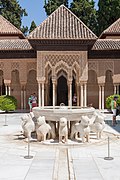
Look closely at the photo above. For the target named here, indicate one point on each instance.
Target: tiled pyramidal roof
(107, 44)
(114, 29)
(112, 43)
(15, 44)
(7, 28)
(62, 24)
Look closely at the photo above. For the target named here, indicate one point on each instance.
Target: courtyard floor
(52, 161)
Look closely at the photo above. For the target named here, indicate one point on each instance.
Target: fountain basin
(54, 114)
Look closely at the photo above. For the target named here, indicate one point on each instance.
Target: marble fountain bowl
(55, 113)
(67, 132)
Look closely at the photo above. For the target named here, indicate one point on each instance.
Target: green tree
(52, 5)
(86, 12)
(32, 27)
(12, 11)
(108, 13)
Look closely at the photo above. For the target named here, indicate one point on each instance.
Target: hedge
(109, 99)
(8, 103)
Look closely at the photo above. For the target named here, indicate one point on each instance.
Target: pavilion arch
(74, 82)
(61, 65)
(109, 87)
(93, 89)
(32, 85)
(76, 68)
(48, 84)
(62, 87)
(2, 85)
(48, 71)
(15, 86)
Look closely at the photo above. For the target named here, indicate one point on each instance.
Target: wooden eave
(37, 43)
(19, 54)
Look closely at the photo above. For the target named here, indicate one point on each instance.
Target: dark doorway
(2, 85)
(50, 102)
(73, 87)
(62, 91)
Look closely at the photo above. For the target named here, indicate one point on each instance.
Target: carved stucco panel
(61, 66)
(109, 65)
(103, 66)
(40, 65)
(84, 67)
(1, 66)
(93, 66)
(23, 72)
(15, 65)
(31, 66)
(7, 70)
(101, 70)
(69, 59)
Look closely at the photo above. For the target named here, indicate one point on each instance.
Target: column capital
(54, 80)
(82, 82)
(116, 84)
(23, 83)
(69, 81)
(101, 84)
(41, 79)
(7, 82)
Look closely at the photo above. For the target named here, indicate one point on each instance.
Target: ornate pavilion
(62, 56)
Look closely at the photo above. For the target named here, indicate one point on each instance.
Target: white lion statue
(82, 127)
(63, 130)
(42, 129)
(98, 125)
(28, 125)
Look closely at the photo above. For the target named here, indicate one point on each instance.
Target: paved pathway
(76, 161)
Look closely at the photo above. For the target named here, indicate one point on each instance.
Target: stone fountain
(55, 113)
(63, 122)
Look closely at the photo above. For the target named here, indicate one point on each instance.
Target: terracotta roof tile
(7, 28)
(106, 44)
(16, 44)
(62, 24)
(113, 29)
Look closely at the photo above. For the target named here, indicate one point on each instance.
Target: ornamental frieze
(69, 59)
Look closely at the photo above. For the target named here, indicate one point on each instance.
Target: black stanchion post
(108, 158)
(28, 156)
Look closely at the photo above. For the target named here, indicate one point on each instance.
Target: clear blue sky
(35, 11)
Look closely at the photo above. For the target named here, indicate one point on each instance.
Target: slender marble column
(43, 95)
(85, 94)
(70, 93)
(78, 95)
(102, 97)
(81, 95)
(9, 90)
(6, 90)
(39, 94)
(22, 98)
(53, 94)
(99, 96)
(115, 89)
